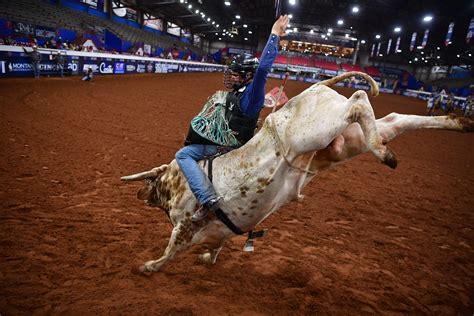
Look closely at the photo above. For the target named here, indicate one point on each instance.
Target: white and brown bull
(313, 131)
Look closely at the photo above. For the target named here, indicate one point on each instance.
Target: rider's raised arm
(254, 96)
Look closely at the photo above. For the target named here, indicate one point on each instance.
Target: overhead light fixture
(362, 42)
(292, 2)
(227, 3)
(233, 22)
(458, 55)
(380, 55)
(197, 11)
(217, 33)
(340, 22)
(355, 9)
(295, 29)
(377, 36)
(347, 35)
(246, 39)
(190, 6)
(311, 31)
(409, 62)
(427, 18)
(220, 38)
(208, 19)
(213, 22)
(245, 25)
(217, 25)
(250, 32)
(237, 16)
(397, 29)
(329, 30)
(438, 57)
(290, 16)
(416, 59)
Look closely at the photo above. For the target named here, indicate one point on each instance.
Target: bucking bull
(315, 130)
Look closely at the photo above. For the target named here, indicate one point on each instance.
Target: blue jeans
(36, 70)
(187, 159)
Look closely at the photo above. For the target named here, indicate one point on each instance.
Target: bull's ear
(145, 193)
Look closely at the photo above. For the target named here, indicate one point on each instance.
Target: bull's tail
(374, 88)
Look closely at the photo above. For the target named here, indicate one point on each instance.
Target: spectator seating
(326, 65)
(301, 61)
(372, 71)
(42, 13)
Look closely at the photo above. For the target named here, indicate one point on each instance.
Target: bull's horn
(153, 173)
(374, 88)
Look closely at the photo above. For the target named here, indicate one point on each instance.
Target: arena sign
(15, 63)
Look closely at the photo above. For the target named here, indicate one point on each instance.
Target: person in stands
(228, 119)
(35, 58)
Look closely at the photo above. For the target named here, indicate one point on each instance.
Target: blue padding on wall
(5, 28)
(74, 5)
(102, 15)
(67, 35)
(112, 42)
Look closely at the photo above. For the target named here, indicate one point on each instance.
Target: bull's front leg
(181, 239)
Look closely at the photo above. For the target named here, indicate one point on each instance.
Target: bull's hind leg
(361, 111)
(180, 240)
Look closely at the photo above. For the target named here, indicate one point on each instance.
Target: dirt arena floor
(366, 240)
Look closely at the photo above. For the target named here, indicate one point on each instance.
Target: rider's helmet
(241, 70)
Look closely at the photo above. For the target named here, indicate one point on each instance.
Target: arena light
(237, 17)
(227, 3)
(217, 33)
(422, 53)
(416, 59)
(233, 22)
(295, 29)
(329, 30)
(217, 25)
(245, 25)
(409, 62)
(362, 42)
(197, 11)
(438, 48)
(427, 18)
(347, 35)
(438, 57)
(381, 55)
(470, 55)
(290, 16)
(355, 9)
(246, 39)
(292, 2)
(213, 22)
(397, 29)
(458, 55)
(208, 19)
(328, 34)
(377, 36)
(311, 31)
(250, 32)
(340, 22)
(190, 6)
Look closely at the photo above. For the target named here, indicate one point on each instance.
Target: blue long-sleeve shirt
(254, 95)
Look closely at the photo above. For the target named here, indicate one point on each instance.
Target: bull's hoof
(390, 159)
(205, 258)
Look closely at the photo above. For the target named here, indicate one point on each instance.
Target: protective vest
(222, 122)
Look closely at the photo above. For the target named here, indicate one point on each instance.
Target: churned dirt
(366, 240)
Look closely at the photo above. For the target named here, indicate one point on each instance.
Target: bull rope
(285, 152)
(211, 123)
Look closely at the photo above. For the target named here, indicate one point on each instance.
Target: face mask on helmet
(240, 71)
